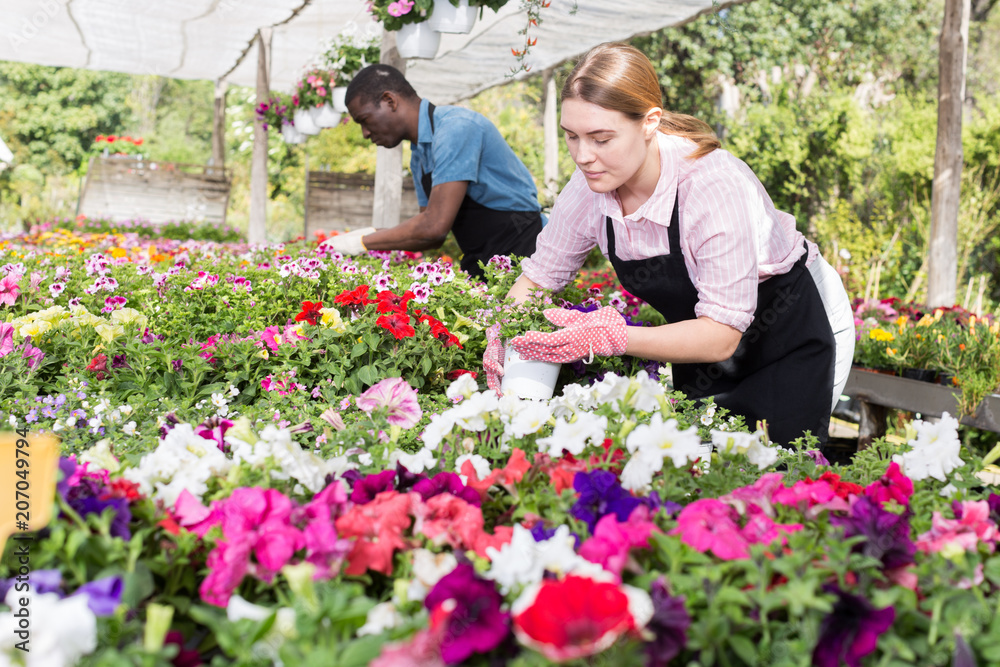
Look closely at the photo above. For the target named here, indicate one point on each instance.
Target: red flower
(398, 324)
(574, 618)
(388, 302)
(99, 138)
(310, 312)
(354, 298)
(111, 138)
(440, 331)
(122, 488)
(459, 372)
(98, 365)
(842, 489)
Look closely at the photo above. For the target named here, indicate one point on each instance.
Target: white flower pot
(292, 135)
(448, 18)
(337, 99)
(528, 379)
(325, 116)
(303, 121)
(417, 40)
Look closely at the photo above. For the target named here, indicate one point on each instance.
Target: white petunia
(575, 436)
(415, 463)
(462, 387)
(481, 466)
(64, 630)
(428, 568)
(471, 413)
(574, 398)
(666, 440)
(637, 475)
(529, 419)
(437, 429)
(523, 561)
(100, 456)
(645, 393)
(610, 389)
(183, 460)
(383, 616)
(935, 451)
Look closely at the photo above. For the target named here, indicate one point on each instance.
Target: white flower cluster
(64, 630)
(183, 460)
(293, 462)
(934, 452)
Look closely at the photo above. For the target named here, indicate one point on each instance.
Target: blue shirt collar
(424, 133)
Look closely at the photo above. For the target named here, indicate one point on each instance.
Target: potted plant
(345, 55)
(414, 38)
(311, 97)
(275, 113)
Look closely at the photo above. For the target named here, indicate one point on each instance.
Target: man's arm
(429, 228)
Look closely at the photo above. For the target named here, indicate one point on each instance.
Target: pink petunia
(893, 485)
(973, 526)
(10, 289)
(6, 338)
(710, 525)
(612, 540)
(400, 8)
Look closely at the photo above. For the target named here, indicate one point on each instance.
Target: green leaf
(744, 648)
(358, 350)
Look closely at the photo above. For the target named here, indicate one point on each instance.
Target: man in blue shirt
(468, 180)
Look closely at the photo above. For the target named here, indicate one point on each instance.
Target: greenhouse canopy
(215, 39)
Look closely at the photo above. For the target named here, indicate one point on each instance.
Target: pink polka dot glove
(602, 332)
(493, 358)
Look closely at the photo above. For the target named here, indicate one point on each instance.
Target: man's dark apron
(782, 370)
(483, 232)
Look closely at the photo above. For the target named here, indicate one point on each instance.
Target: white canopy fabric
(214, 39)
(5, 154)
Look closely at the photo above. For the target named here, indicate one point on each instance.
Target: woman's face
(609, 147)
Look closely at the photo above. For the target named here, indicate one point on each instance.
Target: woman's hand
(602, 332)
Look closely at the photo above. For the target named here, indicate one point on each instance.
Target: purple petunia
(887, 535)
(668, 626)
(447, 482)
(850, 631)
(476, 624)
(601, 494)
(368, 487)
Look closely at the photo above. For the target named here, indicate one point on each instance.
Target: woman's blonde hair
(620, 77)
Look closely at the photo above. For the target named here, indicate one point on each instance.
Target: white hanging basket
(291, 135)
(528, 379)
(337, 97)
(417, 40)
(302, 118)
(325, 116)
(446, 17)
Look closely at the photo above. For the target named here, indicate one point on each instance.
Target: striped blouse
(732, 236)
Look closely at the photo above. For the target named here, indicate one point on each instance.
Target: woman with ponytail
(756, 317)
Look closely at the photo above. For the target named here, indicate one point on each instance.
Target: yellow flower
(109, 331)
(263, 353)
(53, 314)
(901, 321)
(890, 351)
(128, 316)
(880, 335)
(331, 318)
(34, 329)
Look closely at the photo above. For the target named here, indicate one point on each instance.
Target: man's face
(380, 122)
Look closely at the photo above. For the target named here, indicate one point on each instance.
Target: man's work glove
(349, 243)
(601, 332)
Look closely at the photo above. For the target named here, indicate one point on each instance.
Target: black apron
(483, 232)
(782, 370)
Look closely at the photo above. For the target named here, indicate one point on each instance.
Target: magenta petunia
(476, 624)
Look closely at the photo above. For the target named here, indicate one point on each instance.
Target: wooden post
(550, 128)
(388, 161)
(219, 126)
(947, 187)
(257, 228)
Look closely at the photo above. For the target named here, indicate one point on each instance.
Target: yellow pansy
(880, 335)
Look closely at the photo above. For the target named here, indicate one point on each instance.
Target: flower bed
(283, 456)
(947, 344)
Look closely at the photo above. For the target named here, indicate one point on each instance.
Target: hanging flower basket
(325, 116)
(302, 119)
(417, 40)
(291, 135)
(338, 97)
(449, 18)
